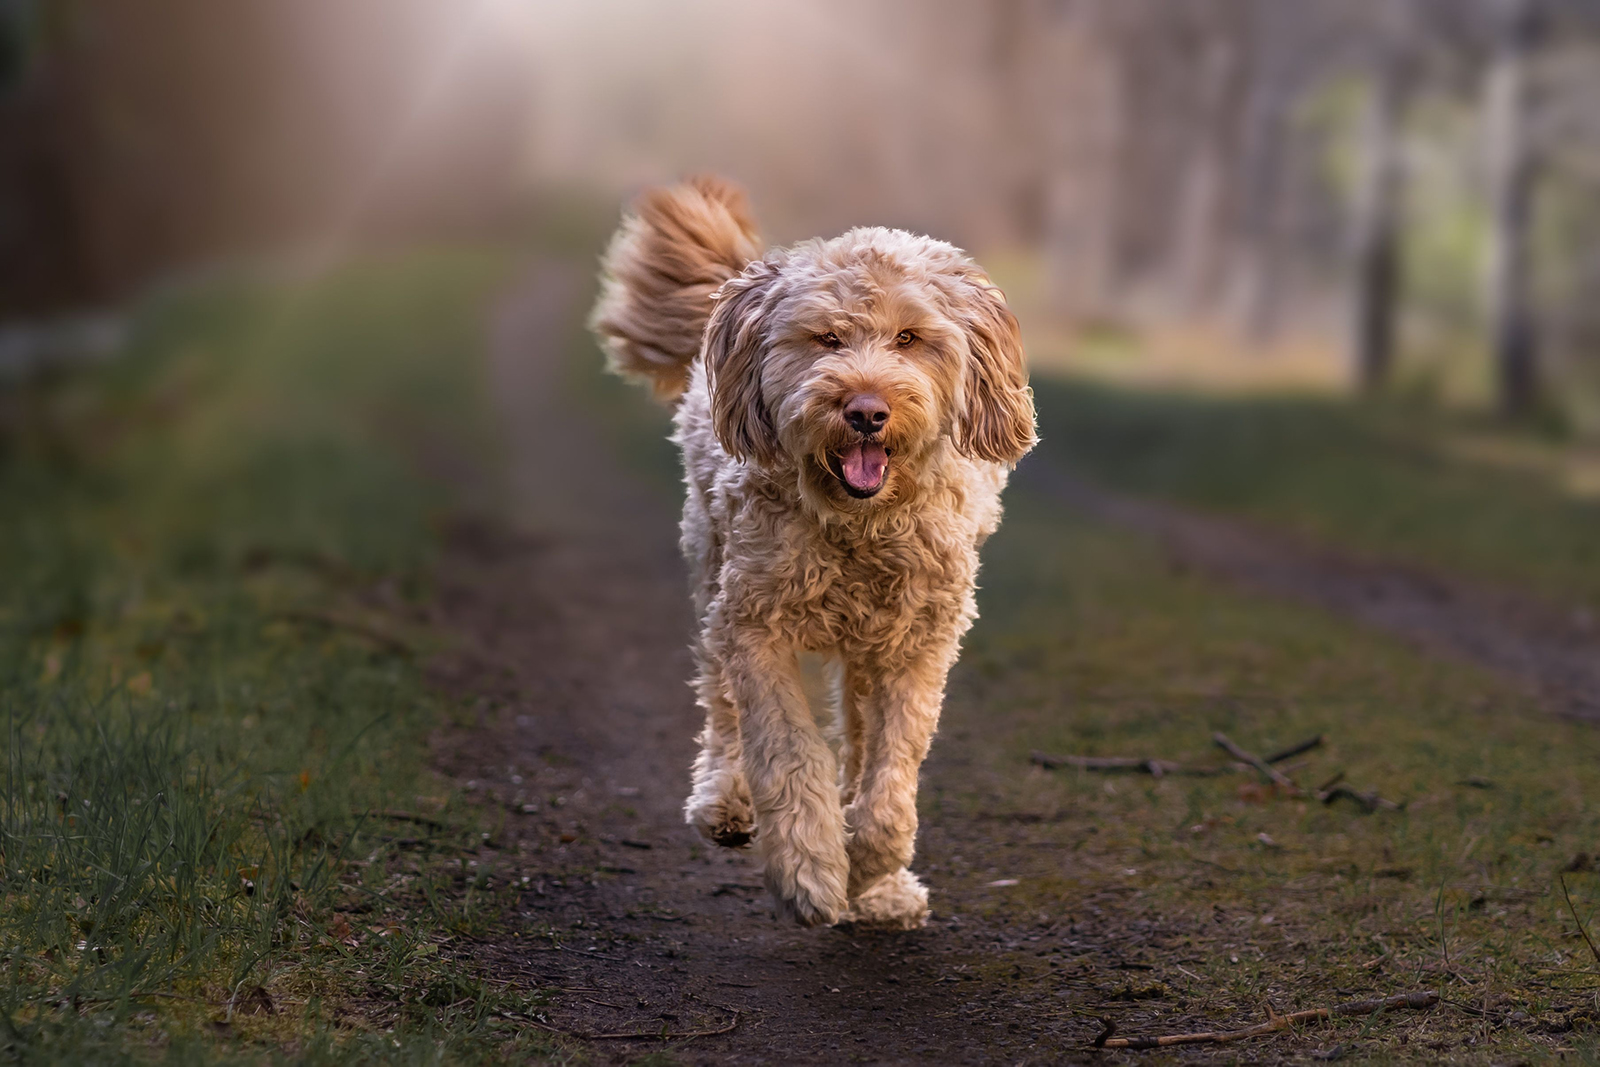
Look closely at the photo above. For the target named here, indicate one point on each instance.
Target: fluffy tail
(658, 275)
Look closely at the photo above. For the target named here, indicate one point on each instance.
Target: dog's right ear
(734, 340)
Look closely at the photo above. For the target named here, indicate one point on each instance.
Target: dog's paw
(807, 886)
(807, 905)
(898, 902)
(724, 818)
(877, 848)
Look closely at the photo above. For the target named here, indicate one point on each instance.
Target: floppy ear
(996, 420)
(733, 343)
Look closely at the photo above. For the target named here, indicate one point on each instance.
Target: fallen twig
(1272, 774)
(1294, 750)
(395, 815)
(1327, 793)
(1581, 929)
(1370, 801)
(1475, 1011)
(1156, 768)
(1422, 999)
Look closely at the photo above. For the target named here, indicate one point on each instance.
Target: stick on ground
(1370, 801)
(397, 815)
(1581, 928)
(1422, 999)
(1156, 768)
(1294, 750)
(1272, 773)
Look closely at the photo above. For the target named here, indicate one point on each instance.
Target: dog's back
(659, 274)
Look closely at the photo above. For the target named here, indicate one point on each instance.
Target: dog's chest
(827, 589)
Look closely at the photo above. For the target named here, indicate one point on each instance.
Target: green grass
(1379, 480)
(213, 553)
(201, 733)
(1090, 644)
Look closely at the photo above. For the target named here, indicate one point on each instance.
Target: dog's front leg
(901, 710)
(790, 770)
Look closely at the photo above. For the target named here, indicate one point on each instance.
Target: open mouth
(862, 468)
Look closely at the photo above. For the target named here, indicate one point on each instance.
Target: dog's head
(855, 359)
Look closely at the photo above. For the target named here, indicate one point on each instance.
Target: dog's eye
(828, 340)
(904, 337)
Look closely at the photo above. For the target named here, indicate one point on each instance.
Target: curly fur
(663, 265)
(785, 555)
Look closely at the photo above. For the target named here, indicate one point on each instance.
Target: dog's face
(853, 359)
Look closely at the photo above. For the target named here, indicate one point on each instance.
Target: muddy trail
(1553, 653)
(576, 641)
(573, 624)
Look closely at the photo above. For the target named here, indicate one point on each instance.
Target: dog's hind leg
(719, 803)
(792, 779)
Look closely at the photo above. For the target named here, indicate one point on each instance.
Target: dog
(848, 412)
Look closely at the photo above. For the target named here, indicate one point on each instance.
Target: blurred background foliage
(1396, 195)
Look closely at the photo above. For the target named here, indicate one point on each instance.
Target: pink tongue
(864, 465)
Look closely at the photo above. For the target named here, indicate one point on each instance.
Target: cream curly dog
(848, 411)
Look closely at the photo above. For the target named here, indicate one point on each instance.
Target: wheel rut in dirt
(1554, 653)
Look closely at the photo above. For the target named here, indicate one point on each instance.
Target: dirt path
(1555, 654)
(574, 626)
(578, 636)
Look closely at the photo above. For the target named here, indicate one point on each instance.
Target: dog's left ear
(996, 419)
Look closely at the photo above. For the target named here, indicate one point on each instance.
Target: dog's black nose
(866, 413)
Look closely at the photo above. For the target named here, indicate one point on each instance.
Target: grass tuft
(212, 562)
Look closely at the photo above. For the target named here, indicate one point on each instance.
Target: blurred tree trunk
(1376, 238)
(1511, 173)
(1017, 31)
(1271, 93)
(1203, 196)
(143, 137)
(1083, 196)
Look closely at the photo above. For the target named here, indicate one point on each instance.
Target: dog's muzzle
(863, 465)
(861, 468)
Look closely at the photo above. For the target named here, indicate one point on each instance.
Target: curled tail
(658, 275)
